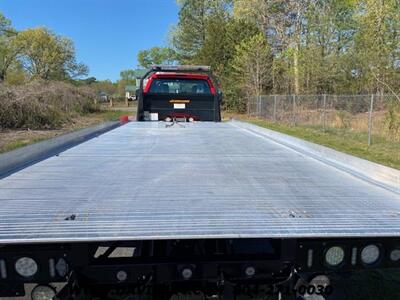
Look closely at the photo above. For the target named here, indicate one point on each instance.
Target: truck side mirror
(219, 93)
(137, 94)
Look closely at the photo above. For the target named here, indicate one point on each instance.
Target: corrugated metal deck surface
(203, 180)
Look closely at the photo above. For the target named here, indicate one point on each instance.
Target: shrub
(43, 105)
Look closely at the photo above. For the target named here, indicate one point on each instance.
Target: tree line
(40, 54)
(40, 79)
(288, 46)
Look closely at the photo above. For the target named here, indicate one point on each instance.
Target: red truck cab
(179, 92)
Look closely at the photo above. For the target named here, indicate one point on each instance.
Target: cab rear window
(179, 86)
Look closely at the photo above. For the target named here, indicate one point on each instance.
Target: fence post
(324, 115)
(294, 110)
(274, 116)
(259, 106)
(371, 108)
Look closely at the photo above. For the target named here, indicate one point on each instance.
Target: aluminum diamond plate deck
(201, 180)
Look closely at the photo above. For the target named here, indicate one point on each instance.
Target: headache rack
(182, 68)
(176, 69)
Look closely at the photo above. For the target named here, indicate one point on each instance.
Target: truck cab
(181, 93)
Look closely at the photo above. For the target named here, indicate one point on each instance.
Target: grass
(20, 143)
(13, 139)
(381, 151)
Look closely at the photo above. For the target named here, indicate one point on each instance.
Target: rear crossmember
(214, 268)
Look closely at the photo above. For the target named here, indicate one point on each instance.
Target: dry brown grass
(14, 138)
(385, 123)
(43, 105)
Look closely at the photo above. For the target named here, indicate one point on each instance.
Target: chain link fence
(376, 116)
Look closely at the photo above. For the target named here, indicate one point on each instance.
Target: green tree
(48, 56)
(261, 12)
(156, 56)
(337, 46)
(282, 22)
(377, 45)
(106, 86)
(190, 34)
(207, 34)
(324, 65)
(128, 75)
(195, 16)
(252, 63)
(235, 31)
(8, 48)
(215, 50)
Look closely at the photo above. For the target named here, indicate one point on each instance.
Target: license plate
(179, 105)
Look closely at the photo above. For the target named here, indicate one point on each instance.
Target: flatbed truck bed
(192, 199)
(143, 181)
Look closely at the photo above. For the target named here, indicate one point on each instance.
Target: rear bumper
(184, 264)
(198, 115)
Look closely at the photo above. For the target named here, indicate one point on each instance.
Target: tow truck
(187, 207)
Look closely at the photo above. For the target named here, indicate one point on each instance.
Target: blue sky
(107, 33)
